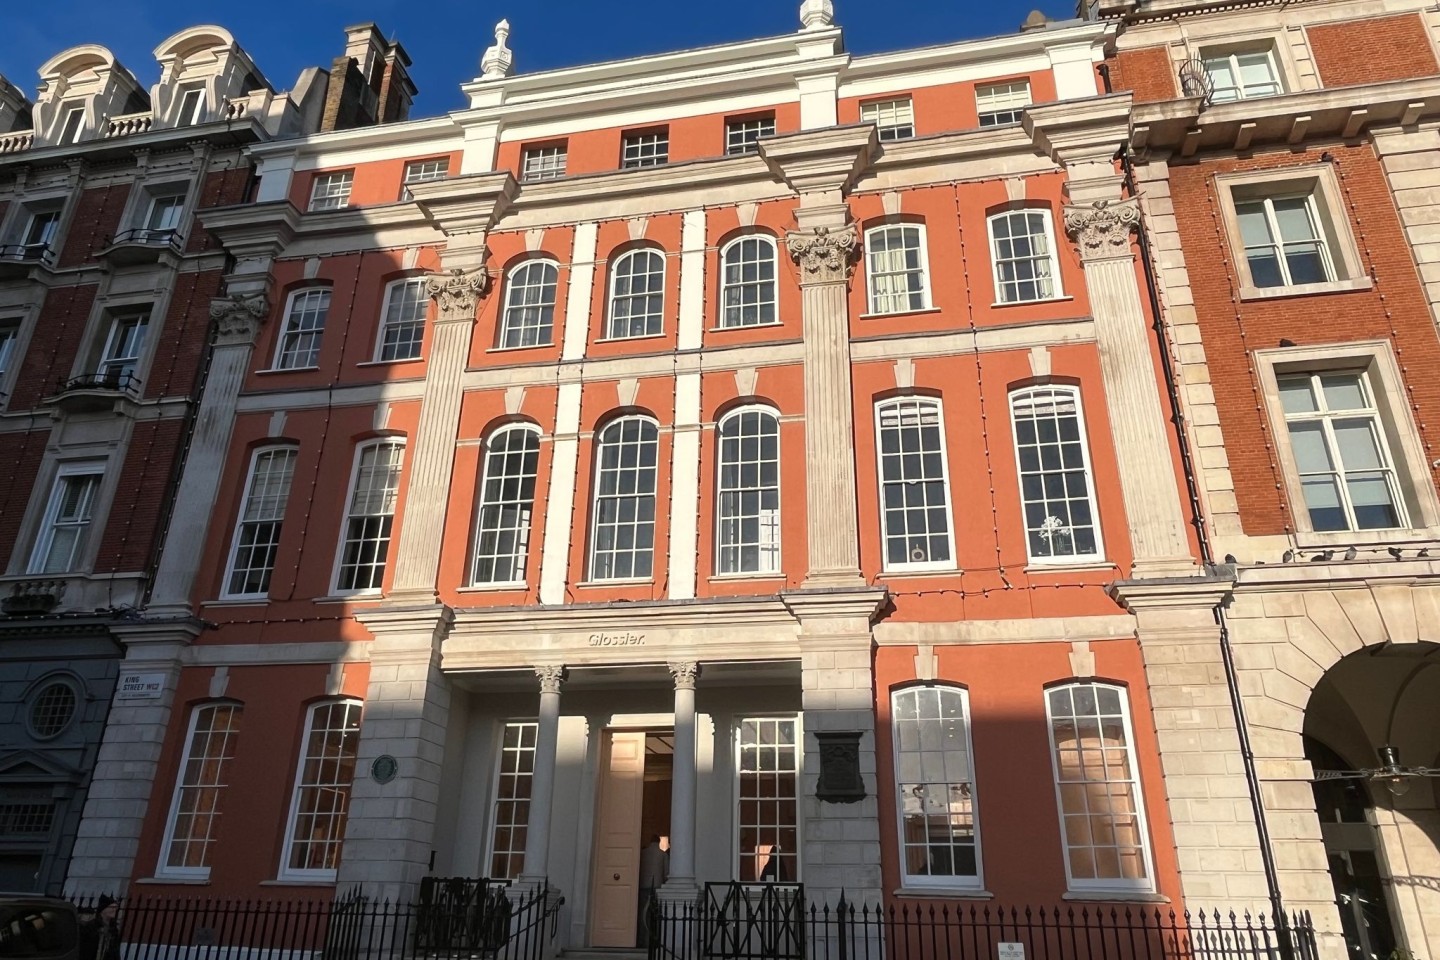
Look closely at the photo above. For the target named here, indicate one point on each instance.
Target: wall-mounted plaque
(384, 768)
(840, 780)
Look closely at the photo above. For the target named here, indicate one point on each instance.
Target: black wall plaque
(840, 780)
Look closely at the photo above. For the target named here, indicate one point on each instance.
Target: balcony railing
(234, 109)
(148, 237)
(128, 124)
(33, 597)
(16, 141)
(109, 380)
(27, 253)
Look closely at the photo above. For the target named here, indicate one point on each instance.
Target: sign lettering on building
(617, 640)
(140, 686)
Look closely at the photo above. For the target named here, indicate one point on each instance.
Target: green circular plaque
(384, 768)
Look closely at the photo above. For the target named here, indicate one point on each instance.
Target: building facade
(1285, 159)
(106, 284)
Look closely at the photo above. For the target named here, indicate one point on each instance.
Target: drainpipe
(1207, 557)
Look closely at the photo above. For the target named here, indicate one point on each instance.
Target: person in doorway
(100, 935)
(654, 871)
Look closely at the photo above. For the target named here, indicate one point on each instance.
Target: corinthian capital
(825, 255)
(685, 674)
(550, 675)
(458, 292)
(1102, 229)
(237, 319)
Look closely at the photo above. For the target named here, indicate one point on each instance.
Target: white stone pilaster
(682, 884)
(542, 780)
(691, 323)
(560, 498)
(685, 488)
(582, 284)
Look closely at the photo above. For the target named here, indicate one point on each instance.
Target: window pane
(403, 329)
(637, 301)
(530, 305)
(1296, 395)
(1055, 486)
(748, 534)
(1020, 246)
(1344, 391)
(511, 811)
(257, 533)
(196, 811)
(322, 790)
(913, 491)
(623, 537)
(507, 500)
(747, 285)
(768, 771)
(366, 543)
(934, 782)
(896, 269)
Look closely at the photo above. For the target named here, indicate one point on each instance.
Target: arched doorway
(1381, 835)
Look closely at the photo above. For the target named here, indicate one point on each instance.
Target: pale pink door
(616, 886)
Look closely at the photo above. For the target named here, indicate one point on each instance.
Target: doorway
(632, 811)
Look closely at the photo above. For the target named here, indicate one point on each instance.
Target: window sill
(1114, 896)
(647, 336)
(269, 370)
(297, 883)
(389, 363)
(617, 582)
(368, 597)
(492, 587)
(1082, 566)
(900, 313)
(1030, 303)
(236, 602)
(751, 326)
(178, 881)
(743, 577)
(949, 893)
(1305, 289)
(925, 572)
(531, 346)
(1408, 536)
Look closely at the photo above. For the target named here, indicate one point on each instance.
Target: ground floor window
(512, 800)
(769, 775)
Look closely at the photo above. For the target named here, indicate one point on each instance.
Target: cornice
(656, 615)
(245, 130)
(1071, 131)
(1191, 592)
(823, 160)
(253, 230)
(949, 55)
(1339, 575)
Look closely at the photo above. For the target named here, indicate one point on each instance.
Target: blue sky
(445, 39)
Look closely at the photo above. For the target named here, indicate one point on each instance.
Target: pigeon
(1230, 558)
(1394, 552)
(1351, 553)
(1288, 557)
(1424, 552)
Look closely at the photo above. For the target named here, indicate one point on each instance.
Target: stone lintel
(466, 204)
(825, 162)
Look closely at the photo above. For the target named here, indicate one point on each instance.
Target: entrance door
(616, 885)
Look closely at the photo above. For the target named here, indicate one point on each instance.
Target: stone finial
(496, 63)
(1036, 21)
(817, 14)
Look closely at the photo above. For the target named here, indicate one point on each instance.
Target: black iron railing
(349, 927)
(27, 252)
(110, 380)
(754, 925)
(148, 237)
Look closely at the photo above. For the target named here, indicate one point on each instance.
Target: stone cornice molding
(686, 674)
(551, 676)
(406, 632)
(827, 161)
(253, 231)
(1079, 131)
(825, 255)
(458, 292)
(468, 204)
(1102, 229)
(238, 318)
(1190, 592)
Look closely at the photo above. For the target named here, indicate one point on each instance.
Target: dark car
(40, 927)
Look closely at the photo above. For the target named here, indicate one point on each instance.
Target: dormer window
(73, 124)
(192, 107)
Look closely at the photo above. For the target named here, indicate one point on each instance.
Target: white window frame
(331, 191)
(1232, 55)
(911, 566)
(735, 762)
(119, 321)
(349, 514)
(1052, 255)
(611, 332)
(947, 881)
(546, 161)
(52, 215)
(196, 112)
(1117, 885)
(162, 867)
(774, 283)
(1316, 180)
(775, 547)
(1409, 459)
(169, 200)
(520, 558)
(45, 535)
(423, 171)
(742, 134)
(640, 149)
(1084, 442)
(282, 352)
(894, 118)
(10, 328)
(387, 320)
(287, 872)
(66, 136)
(240, 519)
(594, 545)
(495, 799)
(871, 272)
(508, 329)
(994, 99)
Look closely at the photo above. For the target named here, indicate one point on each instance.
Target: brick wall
(183, 336)
(96, 221)
(1396, 310)
(58, 333)
(21, 454)
(135, 516)
(222, 188)
(1146, 72)
(1385, 48)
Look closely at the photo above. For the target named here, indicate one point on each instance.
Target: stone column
(427, 493)
(826, 256)
(390, 831)
(542, 780)
(122, 786)
(682, 884)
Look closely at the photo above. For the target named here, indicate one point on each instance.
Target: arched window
(316, 828)
(195, 808)
(934, 776)
(305, 314)
(1022, 253)
(529, 317)
(365, 541)
(622, 544)
(637, 295)
(507, 502)
(747, 282)
(1056, 491)
(895, 258)
(402, 329)
(748, 493)
(257, 531)
(914, 490)
(1102, 816)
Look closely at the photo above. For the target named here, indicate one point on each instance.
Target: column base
(679, 890)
